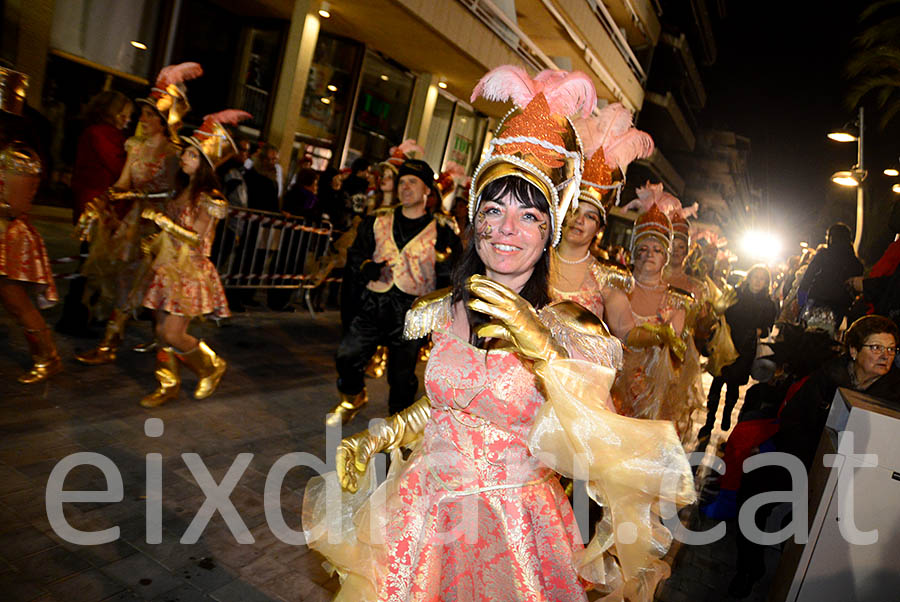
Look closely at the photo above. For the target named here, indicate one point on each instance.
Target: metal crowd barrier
(261, 249)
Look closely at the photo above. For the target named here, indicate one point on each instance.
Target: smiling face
(510, 239)
(649, 256)
(870, 363)
(190, 160)
(582, 225)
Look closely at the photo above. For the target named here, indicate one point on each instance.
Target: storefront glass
(382, 107)
(329, 90)
(112, 33)
(437, 132)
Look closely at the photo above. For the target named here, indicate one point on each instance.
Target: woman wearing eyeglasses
(867, 366)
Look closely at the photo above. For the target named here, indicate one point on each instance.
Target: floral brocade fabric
(23, 257)
(589, 294)
(178, 278)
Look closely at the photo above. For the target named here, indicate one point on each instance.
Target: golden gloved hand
(166, 224)
(725, 300)
(514, 320)
(354, 452)
(87, 218)
(650, 334)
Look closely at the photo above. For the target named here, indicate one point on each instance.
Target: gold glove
(166, 224)
(401, 429)
(651, 334)
(515, 320)
(86, 221)
(725, 300)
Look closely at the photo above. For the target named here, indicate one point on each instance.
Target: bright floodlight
(845, 178)
(842, 137)
(759, 245)
(896, 188)
(890, 171)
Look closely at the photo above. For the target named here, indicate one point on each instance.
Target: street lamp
(856, 175)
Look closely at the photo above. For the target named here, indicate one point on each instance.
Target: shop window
(437, 132)
(329, 91)
(382, 107)
(115, 34)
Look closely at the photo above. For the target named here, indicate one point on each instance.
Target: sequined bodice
(151, 171)
(483, 404)
(588, 295)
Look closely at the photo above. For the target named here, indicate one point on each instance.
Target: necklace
(647, 286)
(569, 261)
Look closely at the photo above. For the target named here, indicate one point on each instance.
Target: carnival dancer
(399, 254)
(113, 222)
(24, 265)
(182, 282)
(611, 143)
(650, 385)
(517, 388)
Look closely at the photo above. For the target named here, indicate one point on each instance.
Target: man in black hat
(400, 253)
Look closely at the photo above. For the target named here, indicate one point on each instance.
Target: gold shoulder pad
(579, 318)
(614, 275)
(446, 221)
(427, 313)
(215, 204)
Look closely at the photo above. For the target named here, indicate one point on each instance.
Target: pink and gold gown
(23, 256)
(590, 294)
(115, 254)
(181, 279)
(655, 385)
(477, 512)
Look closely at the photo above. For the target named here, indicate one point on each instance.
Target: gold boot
(207, 365)
(349, 406)
(377, 363)
(145, 347)
(105, 352)
(167, 375)
(43, 352)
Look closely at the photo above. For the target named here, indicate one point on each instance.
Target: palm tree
(875, 65)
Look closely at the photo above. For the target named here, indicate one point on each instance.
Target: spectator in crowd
(231, 174)
(881, 289)
(98, 162)
(332, 199)
(261, 180)
(302, 198)
(868, 365)
(357, 185)
(750, 318)
(823, 292)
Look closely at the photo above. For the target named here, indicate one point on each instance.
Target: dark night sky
(779, 79)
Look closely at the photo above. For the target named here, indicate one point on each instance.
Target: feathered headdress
(168, 96)
(213, 140)
(654, 194)
(536, 141)
(653, 223)
(610, 143)
(408, 149)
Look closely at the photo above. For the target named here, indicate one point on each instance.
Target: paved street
(279, 384)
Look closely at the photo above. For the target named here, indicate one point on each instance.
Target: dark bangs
(521, 189)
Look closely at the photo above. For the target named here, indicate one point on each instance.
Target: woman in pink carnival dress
(517, 392)
(179, 282)
(610, 144)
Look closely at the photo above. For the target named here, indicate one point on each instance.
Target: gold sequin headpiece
(13, 86)
(213, 140)
(536, 140)
(655, 224)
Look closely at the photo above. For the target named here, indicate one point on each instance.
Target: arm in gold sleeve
(399, 430)
(166, 224)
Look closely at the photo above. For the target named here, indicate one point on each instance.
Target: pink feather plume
(228, 116)
(690, 211)
(568, 93)
(653, 194)
(410, 148)
(175, 74)
(504, 83)
(633, 144)
(456, 171)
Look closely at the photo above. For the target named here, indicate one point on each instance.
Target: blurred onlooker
(823, 292)
(302, 198)
(331, 197)
(749, 319)
(881, 289)
(98, 162)
(356, 185)
(231, 174)
(261, 180)
(101, 147)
